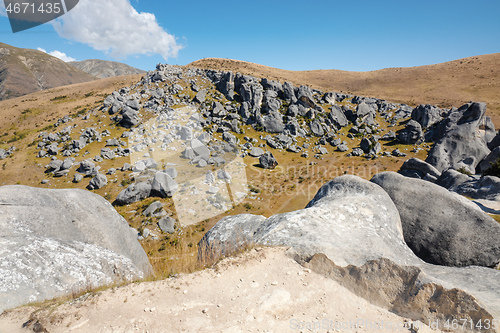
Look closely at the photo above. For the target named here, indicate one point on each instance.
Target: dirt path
(261, 291)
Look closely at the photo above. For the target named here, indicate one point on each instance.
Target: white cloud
(115, 27)
(2, 9)
(58, 54)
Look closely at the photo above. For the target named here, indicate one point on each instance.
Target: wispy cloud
(115, 27)
(2, 9)
(58, 54)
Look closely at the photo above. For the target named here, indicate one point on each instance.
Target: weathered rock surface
(354, 223)
(56, 241)
(416, 168)
(133, 193)
(427, 115)
(268, 161)
(452, 178)
(167, 225)
(411, 134)
(163, 185)
(256, 152)
(487, 188)
(442, 227)
(460, 137)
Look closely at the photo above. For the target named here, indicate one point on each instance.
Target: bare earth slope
(103, 69)
(447, 84)
(23, 71)
(261, 291)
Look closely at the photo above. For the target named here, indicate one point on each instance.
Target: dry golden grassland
(288, 187)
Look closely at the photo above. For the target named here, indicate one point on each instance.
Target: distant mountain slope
(447, 84)
(23, 71)
(103, 69)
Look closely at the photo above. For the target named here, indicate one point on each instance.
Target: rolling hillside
(103, 69)
(24, 71)
(447, 84)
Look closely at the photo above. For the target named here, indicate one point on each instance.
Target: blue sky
(296, 35)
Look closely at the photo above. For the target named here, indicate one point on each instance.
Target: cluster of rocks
(6, 153)
(407, 255)
(222, 103)
(282, 110)
(466, 147)
(165, 223)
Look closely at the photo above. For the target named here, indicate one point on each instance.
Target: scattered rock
(77, 178)
(256, 152)
(167, 225)
(99, 181)
(412, 134)
(163, 185)
(153, 208)
(268, 161)
(133, 193)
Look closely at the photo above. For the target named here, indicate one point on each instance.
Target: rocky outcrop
(462, 139)
(475, 187)
(268, 161)
(427, 115)
(356, 227)
(57, 241)
(442, 227)
(411, 134)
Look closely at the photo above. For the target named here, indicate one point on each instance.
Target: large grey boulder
(200, 149)
(200, 96)
(442, 227)
(367, 113)
(167, 225)
(272, 123)
(57, 241)
(289, 93)
(411, 134)
(355, 227)
(86, 167)
(163, 185)
(486, 188)
(256, 152)
(460, 137)
(130, 117)
(337, 117)
(427, 115)
(305, 97)
(316, 128)
(268, 161)
(226, 85)
(153, 208)
(133, 193)
(452, 178)
(416, 168)
(99, 181)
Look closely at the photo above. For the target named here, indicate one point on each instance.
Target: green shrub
(494, 169)
(465, 171)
